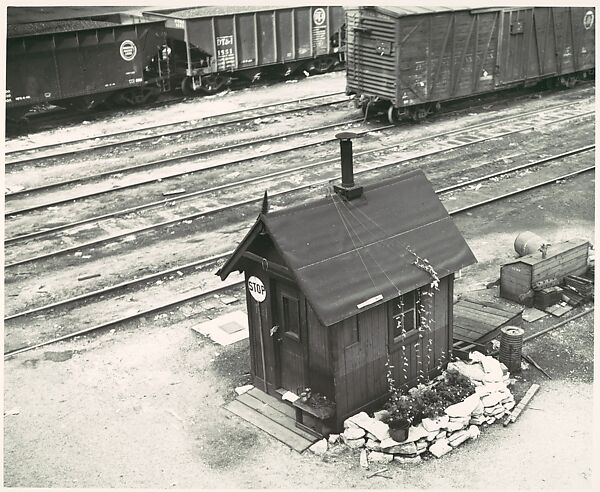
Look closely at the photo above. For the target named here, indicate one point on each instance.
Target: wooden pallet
(273, 416)
(477, 323)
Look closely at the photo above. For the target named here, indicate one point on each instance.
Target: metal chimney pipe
(347, 162)
(348, 189)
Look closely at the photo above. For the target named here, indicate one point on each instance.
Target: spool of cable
(511, 346)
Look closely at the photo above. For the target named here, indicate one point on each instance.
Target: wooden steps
(273, 416)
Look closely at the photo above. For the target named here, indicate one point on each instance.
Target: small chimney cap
(346, 135)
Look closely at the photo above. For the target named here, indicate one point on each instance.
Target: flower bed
(442, 414)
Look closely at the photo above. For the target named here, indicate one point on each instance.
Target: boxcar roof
(192, 13)
(404, 11)
(345, 253)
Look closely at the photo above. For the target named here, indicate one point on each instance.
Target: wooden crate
(519, 277)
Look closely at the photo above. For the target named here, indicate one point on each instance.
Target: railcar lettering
(319, 16)
(588, 19)
(128, 50)
(225, 56)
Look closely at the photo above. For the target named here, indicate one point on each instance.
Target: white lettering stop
(257, 289)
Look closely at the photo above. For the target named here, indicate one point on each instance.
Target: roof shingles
(343, 253)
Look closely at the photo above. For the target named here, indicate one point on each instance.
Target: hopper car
(212, 46)
(80, 63)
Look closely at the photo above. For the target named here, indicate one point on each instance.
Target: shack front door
(287, 315)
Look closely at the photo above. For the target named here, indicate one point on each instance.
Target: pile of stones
(491, 401)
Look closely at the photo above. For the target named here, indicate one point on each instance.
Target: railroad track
(209, 264)
(28, 156)
(168, 175)
(48, 119)
(444, 142)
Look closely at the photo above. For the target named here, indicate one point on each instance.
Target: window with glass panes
(404, 315)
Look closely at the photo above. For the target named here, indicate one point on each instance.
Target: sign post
(259, 294)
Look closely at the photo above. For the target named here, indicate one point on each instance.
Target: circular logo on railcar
(128, 50)
(588, 19)
(319, 16)
(257, 289)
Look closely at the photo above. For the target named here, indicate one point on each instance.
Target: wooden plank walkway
(480, 321)
(272, 416)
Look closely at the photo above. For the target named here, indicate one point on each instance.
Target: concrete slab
(226, 329)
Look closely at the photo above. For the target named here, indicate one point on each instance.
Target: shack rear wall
(359, 348)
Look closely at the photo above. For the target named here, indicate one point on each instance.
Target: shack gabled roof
(345, 253)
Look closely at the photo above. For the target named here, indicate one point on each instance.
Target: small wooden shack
(333, 290)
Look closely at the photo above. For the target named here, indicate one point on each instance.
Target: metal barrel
(511, 345)
(527, 243)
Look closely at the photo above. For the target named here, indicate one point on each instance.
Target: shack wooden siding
(442, 334)
(358, 366)
(320, 377)
(260, 317)
(438, 309)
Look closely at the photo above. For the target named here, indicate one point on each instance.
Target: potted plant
(401, 416)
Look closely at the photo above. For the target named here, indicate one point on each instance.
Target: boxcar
(212, 45)
(409, 60)
(82, 62)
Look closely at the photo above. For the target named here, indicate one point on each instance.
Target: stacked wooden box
(520, 277)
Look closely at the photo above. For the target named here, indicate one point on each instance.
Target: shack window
(291, 318)
(404, 316)
(353, 332)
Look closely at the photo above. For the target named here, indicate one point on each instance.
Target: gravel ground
(142, 406)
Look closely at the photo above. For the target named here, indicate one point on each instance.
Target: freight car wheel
(323, 64)
(187, 88)
(418, 114)
(213, 84)
(393, 115)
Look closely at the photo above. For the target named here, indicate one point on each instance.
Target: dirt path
(142, 409)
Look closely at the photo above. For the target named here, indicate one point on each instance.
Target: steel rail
(122, 319)
(188, 298)
(522, 190)
(180, 131)
(249, 180)
(569, 153)
(558, 325)
(245, 202)
(234, 205)
(221, 256)
(209, 151)
(121, 285)
(191, 155)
